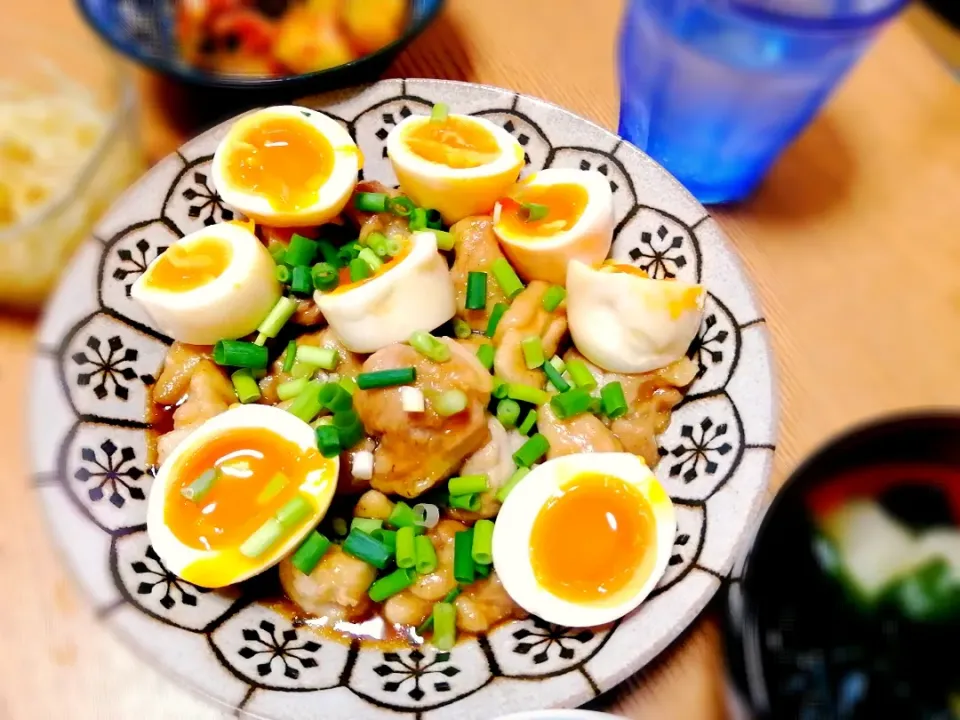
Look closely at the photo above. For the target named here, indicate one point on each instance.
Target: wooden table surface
(852, 243)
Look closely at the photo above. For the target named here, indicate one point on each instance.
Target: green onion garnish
(527, 393)
(418, 220)
(500, 388)
(282, 274)
(198, 489)
(531, 451)
(389, 585)
(558, 364)
(435, 222)
(348, 384)
(495, 316)
(445, 240)
(364, 547)
(426, 555)
(329, 252)
(482, 549)
(439, 112)
(506, 278)
(348, 252)
(325, 276)
(324, 358)
(401, 206)
(554, 377)
(301, 280)
(571, 403)
(335, 399)
(295, 511)
(514, 480)
(310, 553)
(349, 428)
(406, 553)
(508, 413)
(300, 251)
(461, 328)
(245, 386)
(485, 354)
(465, 502)
(262, 539)
(427, 624)
(553, 297)
(468, 484)
(371, 259)
(534, 211)
(401, 516)
(340, 527)
(238, 353)
(306, 405)
(444, 626)
(429, 346)
(289, 356)
(388, 538)
(359, 270)
(532, 348)
(367, 525)
(277, 250)
(476, 291)
(302, 370)
(277, 317)
(378, 243)
(581, 375)
(370, 202)
(613, 399)
(393, 246)
(386, 378)
(328, 441)
(449, 402)
(463, 570)
(273, 488)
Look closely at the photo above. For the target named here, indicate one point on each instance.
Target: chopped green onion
(359, 270)
(329, 252)
(245, 386)
(277, 250)
(531, 451)
(325, 358)
(306, 405)
(371, 259)
(261, 339)
(238, 353)
(349, 428)
(476, 291)
(495, 316)
(418, 220)
(552, 298)
(426, 515)
(301, 281)
(371, 202)
(325, 276)
(532, 348)
(439, 112)
(388, 538)
(401, 516)
(500, 388)
(506, 278)
(571, 403)
(406, 553)
(445, 240)
(302, 369)
(444, 626)
(262, 539)
(334, 398)
(428, 623)
(390, 585)
(347, 253)
(401, 206)
(198, 489)
(514, 480)
(282, 274)
(463, 565)
(294, 511)
(558, 364)
(508, 413)
(483, 571)
(426, 555)
(367, 525)
(534, 211)
(581, 375)
(461, 328)
(386, 378)
(348, 384)
(468, 484)
(449, 402)
(527, 393)
(429, 346)
(435, 222)
(378, 243)
(340, 527)
(290, 356)
(596, 404)
(482, 549)
(282, 311)
(393, 247)
(464, 502)
(364, 547)
(310, 553)
(554, 377)
(485, 354)
(273, 488)
(300, 251)
(328, 441)
(289, 390)
(613, 399)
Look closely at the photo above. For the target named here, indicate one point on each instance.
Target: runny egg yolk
(239, 501)
(589, 541)
(565, 203)
(281, 158)
(188, 266)
(455, 142)
(675, 303)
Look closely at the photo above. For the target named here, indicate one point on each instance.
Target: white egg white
(332, 195)
(416, 293)
(232, 566)
(589, 240)
(228, 307)
(514, 526)
(630, 324)
(455, 193)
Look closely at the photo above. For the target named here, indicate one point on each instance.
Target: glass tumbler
(713, 90)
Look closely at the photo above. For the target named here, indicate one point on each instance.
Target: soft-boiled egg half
(599, 530)
(459, 165)
(215, 283)
(411, 291)
(287, 166)
(625, 321)
(553, 217)
(237, 495)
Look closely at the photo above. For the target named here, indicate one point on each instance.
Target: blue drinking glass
(713, 90)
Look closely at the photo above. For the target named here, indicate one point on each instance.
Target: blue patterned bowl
(143, 30)
(98, 354)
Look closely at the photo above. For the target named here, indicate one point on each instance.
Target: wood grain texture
(851, 241)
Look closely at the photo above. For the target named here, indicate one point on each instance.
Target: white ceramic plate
(98, 355)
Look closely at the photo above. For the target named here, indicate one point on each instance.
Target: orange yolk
(589, 541)
(565, 204)
(236, 505)
(676, 304)
(455, 142)
(611, 266)
(185, 267)
(281, 158)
